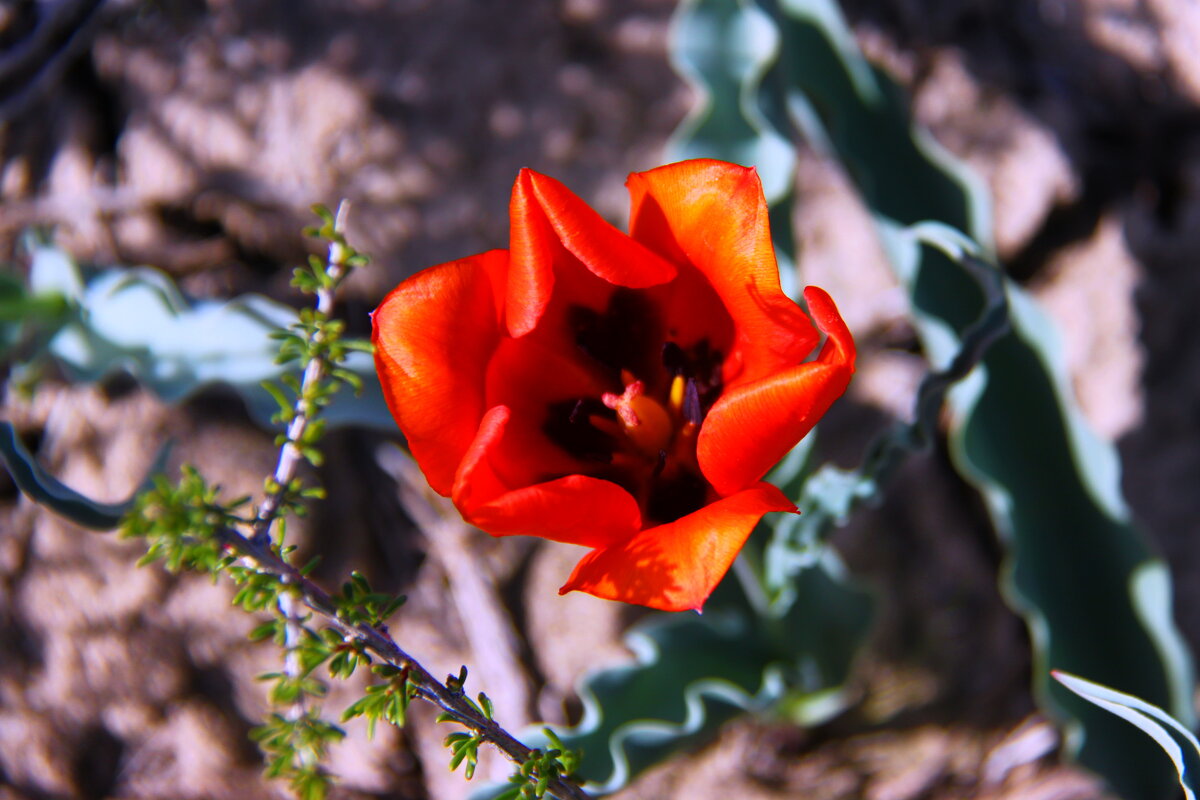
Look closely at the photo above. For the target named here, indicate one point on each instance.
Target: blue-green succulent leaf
(138, 321)
(723, 54)
(723, 50)
(1076, 567)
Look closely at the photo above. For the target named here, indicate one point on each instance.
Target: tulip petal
(434, 335)
(713, 215)
(839, 347)
(552, 233)
(575, 509)
(753, 425)
(675, 567)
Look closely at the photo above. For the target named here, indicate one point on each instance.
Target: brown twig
(488, 625)
(379, 642)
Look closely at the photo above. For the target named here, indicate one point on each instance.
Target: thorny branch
(289, 454)
(314, 373)
(379, 642)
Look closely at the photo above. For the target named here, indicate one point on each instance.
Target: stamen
(692, 412)
(677, 393)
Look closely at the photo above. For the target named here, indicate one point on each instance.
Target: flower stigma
(645, 422)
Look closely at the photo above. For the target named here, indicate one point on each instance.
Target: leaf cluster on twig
(188, 525)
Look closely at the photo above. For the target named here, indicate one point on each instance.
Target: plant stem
(290, 455)
(314, 372)
(379, 642)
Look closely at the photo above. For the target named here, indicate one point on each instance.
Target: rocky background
(194, 136)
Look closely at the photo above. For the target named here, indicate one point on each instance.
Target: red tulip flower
(621, 392)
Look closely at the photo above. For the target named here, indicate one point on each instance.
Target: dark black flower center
(642, 433)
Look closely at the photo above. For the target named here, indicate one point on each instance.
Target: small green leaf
(323, 212)
(486, 703)
(265, 631)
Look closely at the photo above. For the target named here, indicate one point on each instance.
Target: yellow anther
(678, 385)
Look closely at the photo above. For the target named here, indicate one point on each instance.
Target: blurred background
(194, 136)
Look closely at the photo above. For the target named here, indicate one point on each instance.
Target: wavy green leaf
(808, 77)
(723, 54)
(784, 635)
(138, 321)
(1082, 576)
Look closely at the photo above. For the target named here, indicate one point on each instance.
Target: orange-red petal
(553, 234)
(676, 566)
(713, 215)
(839, 347)
(434, 335)
(753, 425)
(575, 509)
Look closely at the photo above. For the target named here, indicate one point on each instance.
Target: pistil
(645, 422)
